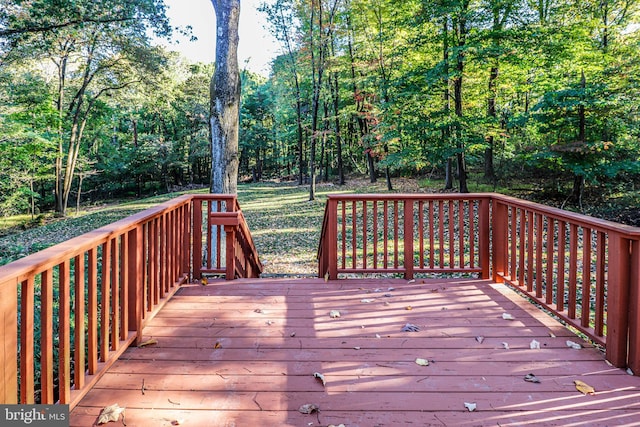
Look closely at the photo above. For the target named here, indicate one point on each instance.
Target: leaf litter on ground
(111, 413)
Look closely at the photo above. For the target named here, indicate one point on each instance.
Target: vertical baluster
(197, 238)
(115, 294)
(375, 234)
(343, 219)
(124, 286)
(600, 283)
(421, 232)
(461, 235)
(364, 234)
(354, 228)
(550, 256)
(441, 243)
(92, 321)
(513, 237)
(562, 242)
(471, 209)
(451, 243)
(79, 358)
(530, 243)
(46, 337)
(385, 226)
(539, 234)
(431, 235)
(521, 247)
(408, 238)
(209, 262)
(27, 304)
(64, 334)
(395, 234)
(104, 301)
(573, 264)
(585, 309)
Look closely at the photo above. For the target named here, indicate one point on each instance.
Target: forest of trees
(498, 91)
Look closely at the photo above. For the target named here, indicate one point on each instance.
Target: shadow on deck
(243, 353)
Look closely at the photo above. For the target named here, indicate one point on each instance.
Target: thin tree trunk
(225, 99)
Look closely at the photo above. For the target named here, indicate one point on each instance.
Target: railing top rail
(573, 217)
(54, 255)
(410, 196)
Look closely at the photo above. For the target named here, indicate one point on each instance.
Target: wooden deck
(244, 353)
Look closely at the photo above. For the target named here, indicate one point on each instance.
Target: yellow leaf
(584, 388)
(151, 341)
(218, 345)
(203, 281)
(408, 307)
(110, 413)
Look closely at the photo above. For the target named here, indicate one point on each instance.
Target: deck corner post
(230, 260)
(331, 249)
(618, 296)
(483, 238)
(196, 239)
(634, 308)
(499, 240)
(9, 342)
(136, 285)
(408, 239)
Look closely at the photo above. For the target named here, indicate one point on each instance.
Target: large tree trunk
(225, 99)
(457, 91)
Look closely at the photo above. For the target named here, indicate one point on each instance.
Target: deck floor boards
(243, 353)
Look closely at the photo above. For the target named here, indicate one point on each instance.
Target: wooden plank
(245, 353)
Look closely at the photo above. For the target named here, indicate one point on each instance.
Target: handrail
(105, 285)
(584, 270)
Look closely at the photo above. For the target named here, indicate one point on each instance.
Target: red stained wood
(245, 353)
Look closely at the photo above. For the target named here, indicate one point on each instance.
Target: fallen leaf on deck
(505, 345)
(326, 276)
(203, 282)
(151, 341)
(480, 339)
(177, 422)
(552, 335)
(366, 300)
(319, 376)
(309, 408)
(531, 379)
(218, 345)
(412, 281)
(630, 372)
(534, 345)
(507, 316)
(292, 334)
(409, 327)
(269, 322)
(574, 345)
(356, 348)
(110, 413)
(334, 314)
(422, 362)
(333, 425)
(408, 307)
(378, 336)
(391, 288)
(584, 388)
(470, 406)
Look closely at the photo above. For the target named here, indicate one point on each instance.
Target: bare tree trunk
(225, 99)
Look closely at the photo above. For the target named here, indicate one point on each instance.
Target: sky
(256, 49)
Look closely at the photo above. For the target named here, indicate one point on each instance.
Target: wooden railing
(584, 270)
(89, 298)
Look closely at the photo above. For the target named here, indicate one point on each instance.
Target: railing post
(408, 239)
(230, 260)
(483, 237)
(618, 299)
(8, 342)
(499, 241)
(196, 238)
(331, 248)
(135, 295)
(634, 308)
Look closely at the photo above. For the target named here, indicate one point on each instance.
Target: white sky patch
(256, 49)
